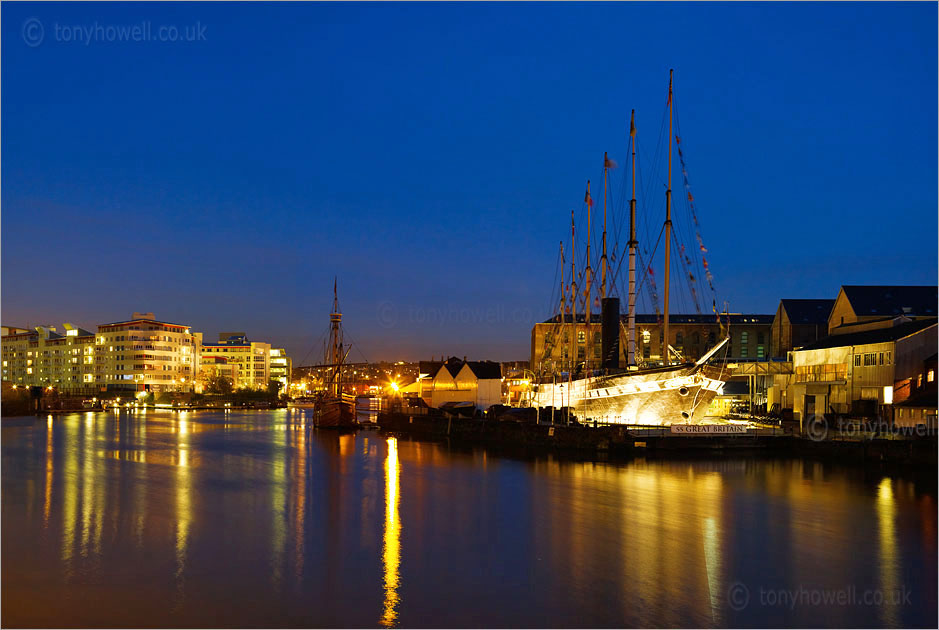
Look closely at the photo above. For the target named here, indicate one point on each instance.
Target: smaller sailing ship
(334, 409)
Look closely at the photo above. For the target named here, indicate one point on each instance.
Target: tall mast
(668, 218)
(335, 341)
(606, 165)
(562, 307)
(631, 339)
(573, 342)
(588, 281)
(563, 303)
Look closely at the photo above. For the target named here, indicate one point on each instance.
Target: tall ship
(334, 409)
(675, 392)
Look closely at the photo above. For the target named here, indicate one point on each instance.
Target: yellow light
(394, 386)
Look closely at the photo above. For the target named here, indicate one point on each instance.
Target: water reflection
(391, 548)
(183, 474)
(257, 519)
(888, 560)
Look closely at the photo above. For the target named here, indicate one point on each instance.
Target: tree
(273, 388)
(218, 384)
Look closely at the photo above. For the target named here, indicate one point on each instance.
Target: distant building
(691, 336)
(797, 323)
(856, 371)
(13, 330)
(916, 398)
(216, 365)
(455, 380)
(252, 358)
(146, 354)
(281, 368)
(45, 357)
(140, 354)
(869, 303)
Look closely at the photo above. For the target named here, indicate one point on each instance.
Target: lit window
(930, 376)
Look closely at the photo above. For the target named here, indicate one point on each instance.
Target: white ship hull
(662, 396)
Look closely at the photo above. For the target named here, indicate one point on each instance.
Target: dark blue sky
(430, 155)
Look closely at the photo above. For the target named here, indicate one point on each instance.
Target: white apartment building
(140, 354)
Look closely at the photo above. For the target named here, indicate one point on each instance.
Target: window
(646, 336)
(857, 360)
(743, 352)
(760, 338)
(744, 337)
(881, 358)
(646, 352)
(870, 358)
(581, 336)
(679, 338)
(597, 338)
(887, 358)
(695, 338)
(930, 376)
(581, 353)
(759, 352)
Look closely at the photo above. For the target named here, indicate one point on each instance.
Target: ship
(677, 392)
(333, 409)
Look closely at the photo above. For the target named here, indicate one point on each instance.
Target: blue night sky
(430, 155)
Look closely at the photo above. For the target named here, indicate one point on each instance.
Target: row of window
(869, 359)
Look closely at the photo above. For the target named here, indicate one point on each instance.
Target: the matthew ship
(674, 392)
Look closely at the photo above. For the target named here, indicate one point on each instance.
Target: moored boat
(675, 392)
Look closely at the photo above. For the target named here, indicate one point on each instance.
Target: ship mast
(668, 219)
(631, 339)
(335, 355)
(606, 165)
(562, 306)
(588, 282)
(573, 343)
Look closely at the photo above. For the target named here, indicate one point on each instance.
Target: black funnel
(609, 332)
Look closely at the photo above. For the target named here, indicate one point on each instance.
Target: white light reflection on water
(391, 548)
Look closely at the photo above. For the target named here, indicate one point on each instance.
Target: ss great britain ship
(334, 409)
(674, 392)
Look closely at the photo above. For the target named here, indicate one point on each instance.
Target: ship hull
(663, 396)
(336, 413)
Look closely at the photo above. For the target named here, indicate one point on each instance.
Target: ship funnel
(609, 332)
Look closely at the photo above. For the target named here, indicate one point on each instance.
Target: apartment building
(281, 367)
(139, 354)
(252, 358)
(49, 358)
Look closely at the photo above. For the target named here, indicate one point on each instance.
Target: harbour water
(163, 519)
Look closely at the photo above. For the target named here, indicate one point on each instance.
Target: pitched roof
(878, 335)
(486, 369)
(808, 311)
(870, 301)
